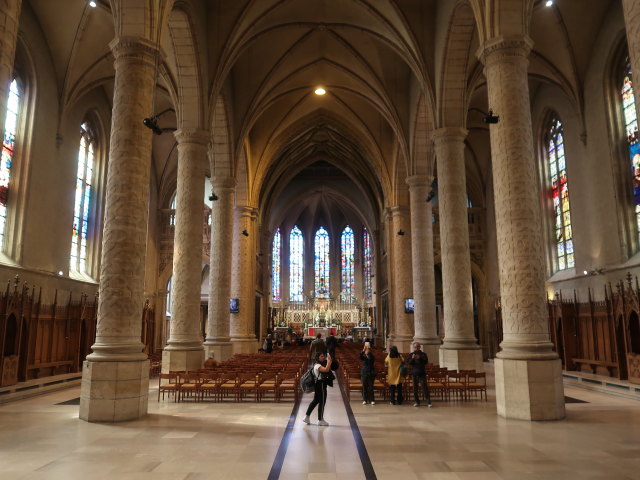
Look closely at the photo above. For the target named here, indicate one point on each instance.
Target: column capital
(192, 135)
(449, 134)
(504, 48)
(135, 48)
(223, 182)
(247, 211)
(396, 211)
(419, 181)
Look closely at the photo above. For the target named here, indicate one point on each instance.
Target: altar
(324, 331)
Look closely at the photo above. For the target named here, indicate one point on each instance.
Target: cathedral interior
(182, 178)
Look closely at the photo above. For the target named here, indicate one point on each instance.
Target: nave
(41, 439)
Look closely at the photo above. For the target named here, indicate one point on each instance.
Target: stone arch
(502, 17)
(189, 78)
(141, 18)
(453, 96)
(422, 152)
(221, 152)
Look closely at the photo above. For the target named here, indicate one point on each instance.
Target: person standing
(393, 362)
(418, 362)
(322, 366)
(367, 374)
(332, 342)
(317, 346)
(268, 343)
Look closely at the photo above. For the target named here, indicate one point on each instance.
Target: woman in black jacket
(367, 374)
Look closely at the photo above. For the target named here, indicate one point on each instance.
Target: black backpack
(307, 382)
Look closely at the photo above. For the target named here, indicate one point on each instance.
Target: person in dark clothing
(332, 342)
(268, 344)
(367, 374)
(317, 346)
(418, 361)
(321, 366)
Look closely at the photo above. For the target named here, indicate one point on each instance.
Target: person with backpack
(394, 362)
(322, 375)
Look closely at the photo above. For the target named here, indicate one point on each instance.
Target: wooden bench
(594, 364)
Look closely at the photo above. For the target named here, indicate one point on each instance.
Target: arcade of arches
(330, 210)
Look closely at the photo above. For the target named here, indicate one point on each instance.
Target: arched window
(557, 168)
(8, 152)
(347, 262)
(321, 245)
(275, 266)
(296, 265)
(82, 205)
(366, 240)
(631, 132)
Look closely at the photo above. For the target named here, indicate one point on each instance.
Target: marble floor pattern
(190, 441)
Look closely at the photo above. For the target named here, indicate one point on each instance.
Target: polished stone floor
(600, 439)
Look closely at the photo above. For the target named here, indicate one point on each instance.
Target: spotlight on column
(213, 197)
(491, 118)
(152, 124)
(245, 233)
(400, 232)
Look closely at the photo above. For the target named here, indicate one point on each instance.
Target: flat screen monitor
(408, 305)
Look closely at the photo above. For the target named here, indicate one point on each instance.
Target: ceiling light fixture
(549, 3)
(320, 91)
(93, 4)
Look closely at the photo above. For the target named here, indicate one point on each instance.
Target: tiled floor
(454, 441)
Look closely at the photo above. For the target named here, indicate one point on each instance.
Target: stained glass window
(8, 149)
(321, 245)
(275, 266)
(347, 262)
(563, 236)
(367, 264)
(631, 133)
(83, 200)
(296, 265)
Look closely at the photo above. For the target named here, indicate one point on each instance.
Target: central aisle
(322, 452)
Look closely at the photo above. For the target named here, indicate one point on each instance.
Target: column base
(173, 360)
(461, 359)
(244, 345)
(221, 350)
(114, 391)
(403, 342)
(529, 389)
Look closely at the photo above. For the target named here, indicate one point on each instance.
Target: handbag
(403, 370)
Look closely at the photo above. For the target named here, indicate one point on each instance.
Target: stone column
(460, 349)
(184, 350)
(424, 283)
(218, 339)
(401, 334)
(115, 377)
(243, 337)
(528, 372)
(631, 9)
(9, 21)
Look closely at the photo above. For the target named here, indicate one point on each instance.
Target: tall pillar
(424, 283)
(528, 372)
(243, 337)
(631, 9)
(115, 377)
(184, 350)
(460, 349)
(218, 339)
(401, 334)
(9, 22)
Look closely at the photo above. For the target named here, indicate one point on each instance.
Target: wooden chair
(267, 385)
(168, 383)
(247, 384)
(210, 387)
(477, 384)
(190, 385)
(438, 386)
(287, 382)
(457, 384)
